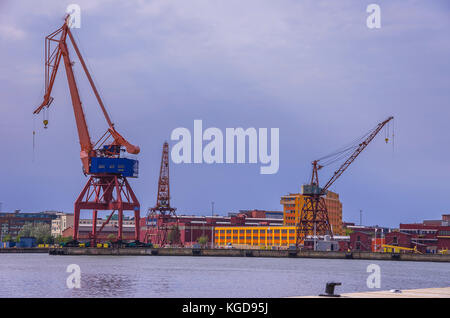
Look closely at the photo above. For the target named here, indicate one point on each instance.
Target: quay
(248, 253)
(16, 250)
(406, 293)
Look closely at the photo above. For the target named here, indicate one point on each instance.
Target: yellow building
(293, 204)
(263, 236)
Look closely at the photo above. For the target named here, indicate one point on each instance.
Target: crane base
(106, 192)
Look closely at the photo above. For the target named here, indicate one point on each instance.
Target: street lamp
(212, 227)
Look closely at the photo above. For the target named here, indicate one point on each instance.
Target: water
(42, 275)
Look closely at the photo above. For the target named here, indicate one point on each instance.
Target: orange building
(293, 203)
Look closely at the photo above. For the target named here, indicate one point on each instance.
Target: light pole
(360, 217)
(212, 227)
(375, 247)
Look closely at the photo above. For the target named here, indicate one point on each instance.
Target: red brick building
(435, 238)
(361, 241)
(192, 227)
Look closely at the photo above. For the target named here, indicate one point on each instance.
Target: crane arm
(354, 155)
(52, 61)
(53, 58)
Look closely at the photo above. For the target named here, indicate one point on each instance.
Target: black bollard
(329, 289)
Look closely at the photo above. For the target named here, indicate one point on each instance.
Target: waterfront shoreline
(248, 253)
(30, 250)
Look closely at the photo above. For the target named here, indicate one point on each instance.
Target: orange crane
(313, 219)
(107, 187)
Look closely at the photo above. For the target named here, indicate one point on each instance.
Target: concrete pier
(248, 253)
(406, 293)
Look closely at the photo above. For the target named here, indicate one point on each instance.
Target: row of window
(255, 238)
(283, 231)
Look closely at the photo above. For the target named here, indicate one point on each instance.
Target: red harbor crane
(107, 187)
(313, 219)
(161, 219)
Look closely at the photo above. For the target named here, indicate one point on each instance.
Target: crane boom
(52, 61)
(355, 154)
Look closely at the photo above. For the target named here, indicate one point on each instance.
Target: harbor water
(42, 275)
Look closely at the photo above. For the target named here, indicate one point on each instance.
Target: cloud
(9, 32)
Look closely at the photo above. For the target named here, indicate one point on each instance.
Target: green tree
(67, 239)
(48, 239)
(348, 232)
(111, 237)
(203, 240)
(7, 238)
(58, 239)
(26, 230)
(40, 231)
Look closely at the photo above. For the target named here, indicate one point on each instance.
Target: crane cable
(89, 67)
(34, 137)
(344, 151)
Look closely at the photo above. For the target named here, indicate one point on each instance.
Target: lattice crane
(162, 218)
(313, 219)
(107, 188)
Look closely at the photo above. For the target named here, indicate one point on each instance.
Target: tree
(67, 239)
(48, 239)
(7, 238)
(203, 240)
(348, 232)
(111, 237)
(26, 230)
(40, 231)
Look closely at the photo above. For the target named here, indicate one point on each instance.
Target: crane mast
(107, 187)
(162, 218)
(314, 218)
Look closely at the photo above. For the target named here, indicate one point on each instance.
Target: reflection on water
(105, 285)
(41, 275)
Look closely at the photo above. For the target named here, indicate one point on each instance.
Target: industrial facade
(263, 236)
(62, 222)
(191, 227)
(12, 222)
(293, 203)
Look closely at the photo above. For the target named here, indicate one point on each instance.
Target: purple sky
(311, 68)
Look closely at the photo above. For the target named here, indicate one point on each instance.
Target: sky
(311, 68)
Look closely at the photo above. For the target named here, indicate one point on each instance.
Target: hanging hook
(45, 116)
